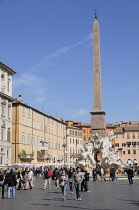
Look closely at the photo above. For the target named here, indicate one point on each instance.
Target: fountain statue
(109, 157)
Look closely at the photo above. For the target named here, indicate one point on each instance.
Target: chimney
(19, 98)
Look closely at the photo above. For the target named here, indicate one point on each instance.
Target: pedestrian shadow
(54, 192)
(73, 207)
(134, 202)
(39, 204)
(52, 199)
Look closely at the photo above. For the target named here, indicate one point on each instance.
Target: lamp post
(64, 146)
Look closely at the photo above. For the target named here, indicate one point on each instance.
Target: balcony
(44, 156)
(26, 157)
(44, 148)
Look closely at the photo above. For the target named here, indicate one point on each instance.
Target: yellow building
(36, 137)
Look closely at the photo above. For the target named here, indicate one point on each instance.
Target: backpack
(49, 173)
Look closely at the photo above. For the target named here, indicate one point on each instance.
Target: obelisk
(98, 124)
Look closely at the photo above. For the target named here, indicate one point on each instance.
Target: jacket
(10, 179)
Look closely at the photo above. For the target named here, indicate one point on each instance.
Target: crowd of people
(76, 178)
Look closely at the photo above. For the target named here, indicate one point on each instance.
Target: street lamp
(64, 146)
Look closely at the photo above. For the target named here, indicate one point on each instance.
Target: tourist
(25, 180)
(86, 180)
(83, 181)
(94, 173)
(102, 174)
(10, 180)
(112, 173)
(19, 180)
(47, 178)
(31, 178)
(2, 182)
(130, 174)
(78, 177)
(63, 183)
(56, 174)
(70, 179)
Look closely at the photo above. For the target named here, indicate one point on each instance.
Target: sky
(49, 45)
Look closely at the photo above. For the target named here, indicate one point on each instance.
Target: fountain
(108, 156)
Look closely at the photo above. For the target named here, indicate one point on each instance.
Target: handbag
(60, 181)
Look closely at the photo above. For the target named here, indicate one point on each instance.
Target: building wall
(5, 113)
(127, 142)
(74, 144)
(38, 134)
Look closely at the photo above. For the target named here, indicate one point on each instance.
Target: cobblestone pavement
(103, 195)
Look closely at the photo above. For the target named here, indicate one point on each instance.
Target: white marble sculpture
(103, 145)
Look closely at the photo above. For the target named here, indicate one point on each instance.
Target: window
(8, 85)
(23, 109)
(138, 135)
(123, 152)
(2, 134)
(23, 138)
(128, 144)
(128, 152)
(9, 111)
(8, 135)
(52, 145)
(84, 130)
(3, 105)
(116, 144)
(28, 121)
(29, 111)
(84, 137)
(75, 133)
(70, 140)
(128, 135)
(33, 140)
(73, 141)
(23, 119)
(28, 139)
(123, 144)
(134, 143)
(133, 135)
(134, 152)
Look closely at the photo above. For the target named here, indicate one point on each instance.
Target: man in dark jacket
(47, 178)
(130, 175)
(10, 180)
(2, 182)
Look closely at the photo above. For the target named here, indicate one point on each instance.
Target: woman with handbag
(63, 183)
(2, 182)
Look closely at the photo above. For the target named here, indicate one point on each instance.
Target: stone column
(98, 124)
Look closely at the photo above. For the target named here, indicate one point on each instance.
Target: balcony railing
(44, 148)
(26, 157)
(45, 157)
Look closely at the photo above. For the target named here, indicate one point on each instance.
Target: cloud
(30, 86)
(65, 49)
(51, 57)
(81, 112)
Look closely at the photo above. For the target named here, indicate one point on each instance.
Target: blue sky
(49, 44)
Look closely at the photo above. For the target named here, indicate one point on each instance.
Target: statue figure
(103, 145)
